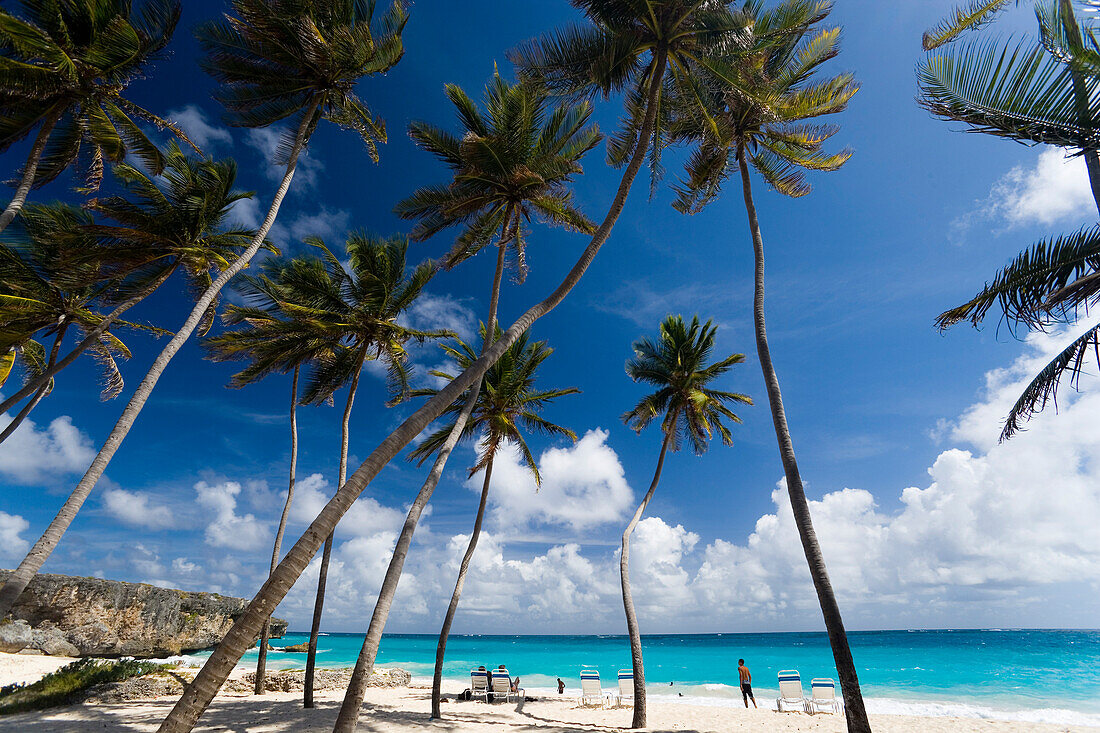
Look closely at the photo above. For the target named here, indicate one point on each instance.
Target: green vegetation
(66, 684)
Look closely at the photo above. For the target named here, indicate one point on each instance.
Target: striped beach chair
(790, 691)
(591, 690)
(823, 696)
(479, 684)
(501, 686)
(626, 688)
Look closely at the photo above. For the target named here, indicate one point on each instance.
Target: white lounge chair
(479, 684)
(823, 696)
(501, 686)
(591, 690)
(790, 691)
(626, 688)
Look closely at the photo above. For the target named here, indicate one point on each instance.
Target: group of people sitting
(498, 673)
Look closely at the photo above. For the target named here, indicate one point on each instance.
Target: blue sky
(877, 400)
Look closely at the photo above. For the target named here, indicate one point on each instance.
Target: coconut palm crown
(619, 50)
(508, 402)
(276, 59)
(676, 362)
(765, 108)
(513, 161)
(64, 68)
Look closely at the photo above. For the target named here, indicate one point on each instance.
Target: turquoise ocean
(1028, 675)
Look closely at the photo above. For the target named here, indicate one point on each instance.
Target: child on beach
(746, 682)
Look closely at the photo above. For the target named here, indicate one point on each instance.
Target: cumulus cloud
(227, 528)
(265, 140)
(12, 546)
(34, 455)
(583, 486)
(366, 517)
(1056, 189)
(137, 509)
(194, 122)
(433, 312)
(326, 223)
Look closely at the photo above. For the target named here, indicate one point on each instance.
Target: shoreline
(405, 710)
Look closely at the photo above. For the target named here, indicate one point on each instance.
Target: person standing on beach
(561, 687)
(746, 682)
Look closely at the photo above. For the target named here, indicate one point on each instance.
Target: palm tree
(276, 59)
(49, 284)
(763, 117)
(356, 308)
(624, 45)
(272, 341)
(513, 162)
(64, 68)
(1044, 94)
(676, 363)
(508, 403)
(163, 224)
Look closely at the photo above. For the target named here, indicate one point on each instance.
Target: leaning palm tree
(513, 162)
(65, 67)
(276, 60)
(762, 119)
(1032, 92)
(161, 225)
(677, 365)
(508, 403)
(623, 45)
(272, 341)
(50, 284)
(356, 308)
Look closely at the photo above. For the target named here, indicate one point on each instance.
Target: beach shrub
(67, 684)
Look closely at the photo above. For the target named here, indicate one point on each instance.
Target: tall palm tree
(514, 161)
(161, 225)
(623, 45)
(356, 307)
(272, 341)
(763, 120)
(677, 365)
(49, 284)
(64, 68)
(276, 60)
(508, 403)
(1041, 94)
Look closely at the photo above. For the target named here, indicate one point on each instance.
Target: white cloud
(325, 223)
(12, 546)
(1056, 189)
(136, 509)
(366, 517)
(583, 486)
(246, 213)
(227, 529)
(265, 140)
(193, 121)
(434, 312)
(31, 455)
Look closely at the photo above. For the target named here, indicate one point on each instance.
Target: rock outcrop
(74, 616)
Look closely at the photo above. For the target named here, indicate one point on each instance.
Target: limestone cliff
(109, 618)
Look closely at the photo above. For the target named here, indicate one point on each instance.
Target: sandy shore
(23, 668)
(405, 710)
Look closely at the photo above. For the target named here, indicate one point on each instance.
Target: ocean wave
(1056, 716)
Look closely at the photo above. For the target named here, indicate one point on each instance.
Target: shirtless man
(746, 682)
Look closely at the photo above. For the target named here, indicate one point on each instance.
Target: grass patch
(66, 684)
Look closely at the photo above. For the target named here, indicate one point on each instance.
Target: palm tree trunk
(31, 167)
(463, 568)
(854, 710)
(364, 665)
(1081, 93)
(322, 577)
(261, 661)
(45, 545)
(18, 419)
(197, 695)
(33, 385)
(628, 600)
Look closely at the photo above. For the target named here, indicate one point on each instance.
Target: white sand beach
(24, 668)
(405, 710)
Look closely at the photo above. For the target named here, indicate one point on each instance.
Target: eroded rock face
(109, 618)
(15, 636)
